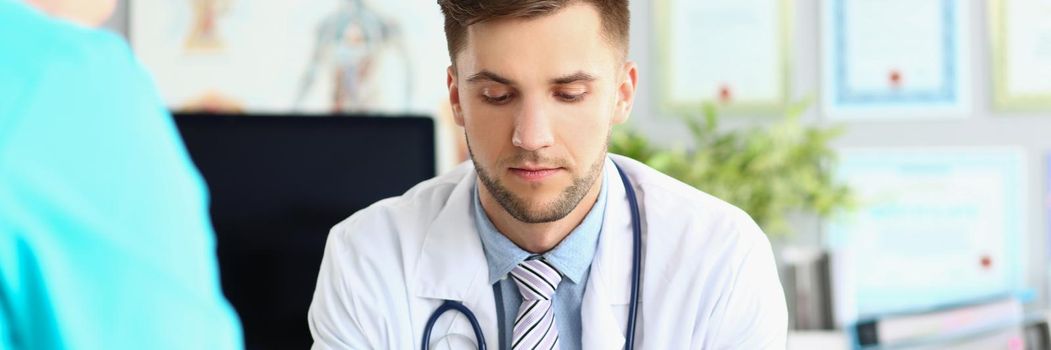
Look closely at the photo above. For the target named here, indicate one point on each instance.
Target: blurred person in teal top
(105, 241)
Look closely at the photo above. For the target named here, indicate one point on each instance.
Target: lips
(534, 173)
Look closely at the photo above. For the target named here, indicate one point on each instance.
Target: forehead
(571, 39)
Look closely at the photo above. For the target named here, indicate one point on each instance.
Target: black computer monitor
(278, 184)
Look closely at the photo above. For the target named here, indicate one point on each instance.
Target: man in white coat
(534, 235)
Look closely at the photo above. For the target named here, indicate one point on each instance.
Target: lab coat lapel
(609, 283)
(452, 266)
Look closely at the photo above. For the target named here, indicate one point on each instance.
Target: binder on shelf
(997, 323)
(806, 280)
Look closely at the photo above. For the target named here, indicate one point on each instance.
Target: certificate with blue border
(934, 227)
(896, 59)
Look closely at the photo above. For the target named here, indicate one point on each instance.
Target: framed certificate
(733, 53)
(934, 227)
(1021, 54)
(895, 59)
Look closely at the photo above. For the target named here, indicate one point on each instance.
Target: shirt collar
(571, 257)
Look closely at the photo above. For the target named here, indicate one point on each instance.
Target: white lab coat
(709, 279)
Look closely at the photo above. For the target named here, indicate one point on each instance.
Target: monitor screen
(278, 184)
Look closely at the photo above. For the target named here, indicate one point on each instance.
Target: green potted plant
(771, 173)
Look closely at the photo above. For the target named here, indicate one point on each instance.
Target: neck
(85, 13)
(541, 237)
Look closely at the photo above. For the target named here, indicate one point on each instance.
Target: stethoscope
(633, 305)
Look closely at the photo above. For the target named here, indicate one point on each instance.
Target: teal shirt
(571, 257)
(105, 240)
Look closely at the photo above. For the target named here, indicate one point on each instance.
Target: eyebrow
(572, 78)
(486, 75)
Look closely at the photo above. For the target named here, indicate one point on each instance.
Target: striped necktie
(535, 324)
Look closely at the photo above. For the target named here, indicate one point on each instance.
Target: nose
(532, 126)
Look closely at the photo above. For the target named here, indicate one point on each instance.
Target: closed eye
(497, 100)
(567, 97)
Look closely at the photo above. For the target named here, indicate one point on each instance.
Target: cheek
(590, 116)
(488, 129)
(583, 130)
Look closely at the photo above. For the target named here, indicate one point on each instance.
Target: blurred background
(896, 152)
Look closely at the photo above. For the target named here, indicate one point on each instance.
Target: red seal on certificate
(894, 77)
(725, 94)
(987, 262)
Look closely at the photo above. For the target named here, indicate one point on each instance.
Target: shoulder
(397, 222)
(683, 216)
(33, 41)
(69, 94)
(369, 256)
(696, 241)
(52, 65)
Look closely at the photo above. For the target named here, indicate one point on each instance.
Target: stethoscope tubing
(636, 264)
(453, 305)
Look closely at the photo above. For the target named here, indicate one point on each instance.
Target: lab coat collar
(452, 260)
(609, 283)
(613, 258)
(452, 264)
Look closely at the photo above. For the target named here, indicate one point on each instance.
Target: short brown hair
(459, 14)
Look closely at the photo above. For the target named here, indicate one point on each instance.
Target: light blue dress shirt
(105, 240)
(572, 257)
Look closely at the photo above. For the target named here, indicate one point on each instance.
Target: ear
(626, 92)
(454, 95)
